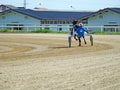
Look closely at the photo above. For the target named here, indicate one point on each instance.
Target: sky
(78, 5)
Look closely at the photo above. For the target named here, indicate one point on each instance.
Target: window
(111, 28)
(51, 22)
(26, 17)
(46, 22)
(15, 26)
(47, 27)
(106, 11)
(93, 15)
(60, 22)
(112, 22)
(85, 21)
(101, 16)
(42, 22)
(55, 22)
(59, 28)
(3, 17)
(67, 22)
(63, 22)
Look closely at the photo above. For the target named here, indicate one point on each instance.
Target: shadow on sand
(59, 47)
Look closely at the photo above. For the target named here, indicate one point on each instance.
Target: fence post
(101, 28)
(27, 28)
(35, 27)
(12, 29)
(18, 28)
(115, 29)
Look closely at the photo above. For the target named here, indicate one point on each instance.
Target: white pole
(101, 28)
(25, 4)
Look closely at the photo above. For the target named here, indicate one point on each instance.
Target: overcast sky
(90, 5)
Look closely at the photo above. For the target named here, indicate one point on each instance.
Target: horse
(76, 37)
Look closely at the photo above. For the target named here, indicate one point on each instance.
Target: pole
(25, 4)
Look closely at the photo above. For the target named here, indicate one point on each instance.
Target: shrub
(42, 31)
(103, 32)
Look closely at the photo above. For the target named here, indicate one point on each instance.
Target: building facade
(27, 19)
(108, 19)
(18, 18)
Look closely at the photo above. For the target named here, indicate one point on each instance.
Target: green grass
(13, 31)
(32, 31)
(50, 31)
(42, 31)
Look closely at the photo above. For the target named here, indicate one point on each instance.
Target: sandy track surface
(44, 62)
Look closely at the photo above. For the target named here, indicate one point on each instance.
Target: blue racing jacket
(80, 31)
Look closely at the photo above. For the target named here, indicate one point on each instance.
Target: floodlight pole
(24, 3)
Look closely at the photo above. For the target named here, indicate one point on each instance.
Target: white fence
(57, 28)
(105, 28)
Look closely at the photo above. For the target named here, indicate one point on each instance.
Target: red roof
(40, 8)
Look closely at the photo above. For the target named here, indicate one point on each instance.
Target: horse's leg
(84, 40)
(79, 41)
(75, 36)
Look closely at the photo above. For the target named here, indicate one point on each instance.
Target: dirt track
(44, 62)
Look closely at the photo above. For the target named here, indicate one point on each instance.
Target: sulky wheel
(69, 41)
(91, 40)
